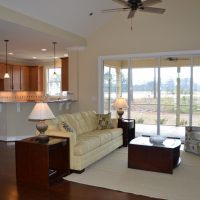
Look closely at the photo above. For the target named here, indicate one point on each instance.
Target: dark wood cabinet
(2, 70)
(65, 74)
(42, 164)
(36, 78)
(8, 81)
(15, 77)
(24, 79)
(128, 126)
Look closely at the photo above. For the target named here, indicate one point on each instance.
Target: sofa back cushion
(90, 120)
(81, 122)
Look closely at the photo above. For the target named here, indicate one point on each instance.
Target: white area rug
(112, 172)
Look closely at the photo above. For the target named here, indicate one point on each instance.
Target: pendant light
(6, 75)
(54, 49)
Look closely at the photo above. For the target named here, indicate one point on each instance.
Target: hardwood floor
(10, 190)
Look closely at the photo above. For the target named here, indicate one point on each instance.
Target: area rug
(112, 172)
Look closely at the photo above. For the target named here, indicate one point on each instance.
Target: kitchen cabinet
(15, 77)
(65, 74)
(2, 70)
(8, 84)
(25, 77)
(12, 83)
(22, 78)
(36, 78)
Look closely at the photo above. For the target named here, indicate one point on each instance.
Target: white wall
(14, 123)
(176, 30)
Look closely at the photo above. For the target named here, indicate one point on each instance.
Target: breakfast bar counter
(14, 123)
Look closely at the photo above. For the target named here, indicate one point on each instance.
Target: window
(162, 91)
(53, 84)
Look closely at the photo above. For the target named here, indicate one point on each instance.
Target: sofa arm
(70, 135)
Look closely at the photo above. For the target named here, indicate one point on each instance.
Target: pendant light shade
(6, 75)
(54, 50)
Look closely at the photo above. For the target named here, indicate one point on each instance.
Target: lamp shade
(41, 111)
(120, 103)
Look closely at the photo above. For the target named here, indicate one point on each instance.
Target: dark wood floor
(59, 191)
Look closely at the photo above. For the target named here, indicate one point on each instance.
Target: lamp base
(42, 127)
(41, 138)
(120, 112)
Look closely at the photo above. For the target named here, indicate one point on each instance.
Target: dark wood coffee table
(159, 158)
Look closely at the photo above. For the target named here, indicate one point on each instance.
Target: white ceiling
(68, 15)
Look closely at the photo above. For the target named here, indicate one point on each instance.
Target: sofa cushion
(90, 119)
(76, 121)
(103, 135)
(116, 132)
(67, 127)
(104, 121)
(86, 143)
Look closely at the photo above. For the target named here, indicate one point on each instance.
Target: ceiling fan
(134, 5)
(176, 59)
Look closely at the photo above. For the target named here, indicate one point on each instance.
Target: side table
(128, 126)
(41, 164)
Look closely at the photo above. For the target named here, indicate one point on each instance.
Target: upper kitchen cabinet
(25, 78)
(8, 82)
(22, 78)
(14, 82)
(65, 72)
(15, 77)
(2, 70)
(36, 78)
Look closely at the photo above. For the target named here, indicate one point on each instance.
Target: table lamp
(40, 113)
(120, 103)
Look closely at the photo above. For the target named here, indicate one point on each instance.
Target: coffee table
(154, 157)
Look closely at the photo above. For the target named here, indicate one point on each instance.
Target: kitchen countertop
(35, 101)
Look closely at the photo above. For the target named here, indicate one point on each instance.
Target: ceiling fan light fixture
(6, 75)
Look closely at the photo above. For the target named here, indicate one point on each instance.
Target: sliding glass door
(163, 92)
(143, 107)
(196, 92)
(115, 84)
(175, 95)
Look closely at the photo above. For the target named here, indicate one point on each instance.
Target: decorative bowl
(157, 139)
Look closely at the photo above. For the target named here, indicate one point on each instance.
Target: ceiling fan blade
(150, 2)
(123, 3)
(131, 14)
(114, 10)
(152, 10)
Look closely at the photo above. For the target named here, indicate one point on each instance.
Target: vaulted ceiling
(33, 25)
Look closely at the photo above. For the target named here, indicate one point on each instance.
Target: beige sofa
(87, 143)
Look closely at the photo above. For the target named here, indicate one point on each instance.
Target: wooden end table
(42, 164)
(128, 126)
(159, 158)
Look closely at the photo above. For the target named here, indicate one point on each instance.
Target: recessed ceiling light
(34, 57)
(43, 49)
(10, 53)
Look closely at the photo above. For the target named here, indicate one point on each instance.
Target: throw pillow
(104, 121)
(67, 127)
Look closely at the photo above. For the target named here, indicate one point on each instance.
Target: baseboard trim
(77, 171)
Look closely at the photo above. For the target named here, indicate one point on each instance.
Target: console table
(153, 157)
(42, 164)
